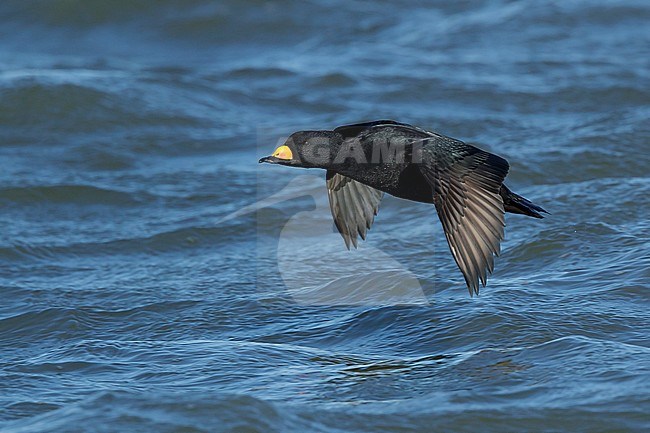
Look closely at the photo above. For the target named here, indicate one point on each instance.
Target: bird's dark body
(405, 180)
(412, 185)
(402, 181)
(399, 179)
(464, 183)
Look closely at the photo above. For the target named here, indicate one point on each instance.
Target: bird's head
(307, 149)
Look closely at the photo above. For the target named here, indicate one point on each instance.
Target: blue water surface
(154, 277)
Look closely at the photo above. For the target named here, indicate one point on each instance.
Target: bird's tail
(515, 203)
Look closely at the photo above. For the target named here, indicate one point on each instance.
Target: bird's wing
(353, 205)
(353, 130)
(466, 183)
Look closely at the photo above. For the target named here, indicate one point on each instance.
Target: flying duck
(365, 160)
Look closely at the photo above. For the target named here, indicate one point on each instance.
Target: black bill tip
(265, 159)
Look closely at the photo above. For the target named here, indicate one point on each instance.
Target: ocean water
(155, 278)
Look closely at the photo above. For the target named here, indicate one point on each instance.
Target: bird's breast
(400, 180)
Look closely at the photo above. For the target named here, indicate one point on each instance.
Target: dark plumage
(465, 184)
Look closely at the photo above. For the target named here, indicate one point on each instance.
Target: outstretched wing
(466, 183)
(353, 205)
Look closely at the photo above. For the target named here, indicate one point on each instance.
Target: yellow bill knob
(283, 152)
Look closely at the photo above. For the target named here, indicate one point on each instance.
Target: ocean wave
(72, 194)
(212, 412)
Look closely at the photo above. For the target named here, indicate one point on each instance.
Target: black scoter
(366, 160)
